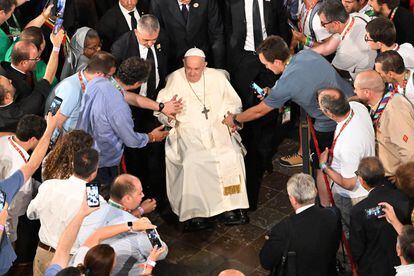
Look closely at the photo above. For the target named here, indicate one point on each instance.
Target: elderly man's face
(194, 68)
(128, 4)
(185, 2)
(147, 39)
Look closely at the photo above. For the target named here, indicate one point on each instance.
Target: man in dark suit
(247, 24)
(372, 238)
(313, 233)
(119, 19)
(146, 163)
(191, 23)
(102, 6)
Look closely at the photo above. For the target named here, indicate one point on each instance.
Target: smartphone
(58, 25)
(257, 89)
(2, 199)
(374, 212)
(167, 128)
(292, 26)
(154, 237)
(92, 194)
(55, 105)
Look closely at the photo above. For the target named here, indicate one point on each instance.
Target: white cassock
(205, 167)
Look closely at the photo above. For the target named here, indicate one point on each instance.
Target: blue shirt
(52, 270)
(306, 74)
(107, 117)
(10, 186)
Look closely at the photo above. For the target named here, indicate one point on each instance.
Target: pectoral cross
(205, 112)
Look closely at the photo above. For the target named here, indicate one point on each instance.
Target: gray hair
(302, 187)
(148, 23)
(333, 10)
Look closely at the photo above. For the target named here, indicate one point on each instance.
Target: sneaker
(291, 161)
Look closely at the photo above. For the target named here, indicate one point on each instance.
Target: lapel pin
(195, 5)
(158, 46)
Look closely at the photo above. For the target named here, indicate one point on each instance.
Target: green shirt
(39, 71)
(4, 44)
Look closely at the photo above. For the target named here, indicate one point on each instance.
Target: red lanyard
(393, 13)
(331, 151)
(348, 29)
(81, 82)
(17, 149)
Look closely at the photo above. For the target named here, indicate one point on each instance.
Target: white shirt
(404, 270)
(409, 89)
(248, 9)
(303, 208)
(320, 32)
(10, 162)
(356, 141)
(406, 51)
(126, 12)
(143, 51)
(353, 53)
(180, 6)
(55, 205)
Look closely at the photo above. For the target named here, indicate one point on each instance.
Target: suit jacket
(373, 240)
(204, 30)
(314, 236)
(275, 18)
(112, 25)
(23, 89)
(102, 6)
(127, 46)
(404, 22)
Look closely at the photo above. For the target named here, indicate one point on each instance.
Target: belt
(46, 247)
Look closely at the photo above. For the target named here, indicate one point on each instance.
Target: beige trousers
(41, 261)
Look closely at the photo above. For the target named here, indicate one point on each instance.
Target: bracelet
(141, 210)
(323, 166)
(151, 263)
(2, 228)
(56, 49)
(309, 42)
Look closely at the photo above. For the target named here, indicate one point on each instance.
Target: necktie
(151, 83)
(257, 24)
(184, 12)
(133, 20)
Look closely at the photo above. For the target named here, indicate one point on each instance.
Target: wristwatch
(129, 223)
(160, 107)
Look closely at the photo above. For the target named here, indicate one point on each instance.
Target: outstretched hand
(173, 107)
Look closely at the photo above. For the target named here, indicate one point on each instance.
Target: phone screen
(374, 212)
(92, 194)
(58, 25)
(2, 200)
(258, 89)
(154, 238)
(292, 26)
(55, 105)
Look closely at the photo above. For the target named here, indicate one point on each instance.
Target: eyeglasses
(357, 173)
(325, 23)
(95, 48)
(34, 59)
(366, 38)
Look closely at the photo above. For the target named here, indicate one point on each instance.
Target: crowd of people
(174, 106)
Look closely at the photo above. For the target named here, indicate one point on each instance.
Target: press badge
(286, 114)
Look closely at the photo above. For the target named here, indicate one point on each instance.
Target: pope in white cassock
(204, 160)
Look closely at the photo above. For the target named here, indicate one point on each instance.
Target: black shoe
(197, 224)
(235, 217)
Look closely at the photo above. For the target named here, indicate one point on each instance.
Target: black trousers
(258, 136)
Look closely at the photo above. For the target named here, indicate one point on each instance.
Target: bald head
(370, 80)
(231, 272)
(123, 185)
(23, 50)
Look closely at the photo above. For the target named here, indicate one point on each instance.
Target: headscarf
(76, 48)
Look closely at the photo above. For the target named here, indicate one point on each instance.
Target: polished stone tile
(201, 239)
(266, 193)
(276, 181)
(178, 250)
(245, 233)
(225, 246)
(265, 217)
(280, 203)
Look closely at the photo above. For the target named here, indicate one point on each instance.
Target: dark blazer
(102, 6)
(204, 30)
(404, 24)
(314, 236)
(127, 46)
(275, 18)
(373, 240)
(23, 89)
(112, 25)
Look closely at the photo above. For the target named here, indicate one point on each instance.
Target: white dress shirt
(181, 6)
(143, 51)
(126, 12)
(10, 162)
(55, 205)
(303, 208)
(248, 9)
(404, 270)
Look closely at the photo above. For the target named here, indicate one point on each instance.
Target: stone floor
(211, 251)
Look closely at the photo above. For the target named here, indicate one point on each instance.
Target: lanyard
(393, 13)
(302, 24)
(117, 86)
(17, 149)
(348, 29)
(331, 151)
(404, 84)
(117, 205)
(82, 83)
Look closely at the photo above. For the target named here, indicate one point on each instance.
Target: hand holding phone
(2, 199)
(55, 105)
(292, 26)
(58, 25)
(154, 237)
(92, 193)
(257, 89)
(374, 212)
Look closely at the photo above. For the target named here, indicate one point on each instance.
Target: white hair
(302, 187)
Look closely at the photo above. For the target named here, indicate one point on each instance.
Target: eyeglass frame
(34, 59)
(367, 39)
(323, 24)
